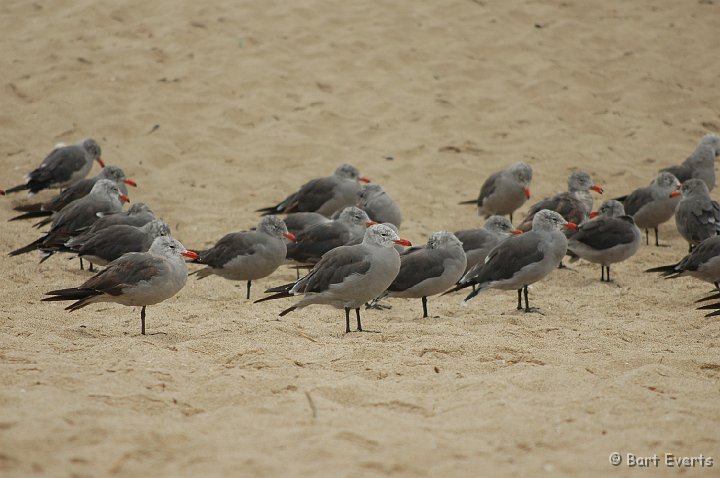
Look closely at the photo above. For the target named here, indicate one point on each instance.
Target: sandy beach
(219, 108)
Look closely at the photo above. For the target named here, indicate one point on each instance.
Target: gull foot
(377, 306)
(533, 310)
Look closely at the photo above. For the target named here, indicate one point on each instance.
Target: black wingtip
(711, 297)
(279, 295)
(714, 306)
(281, 288)
(670, 268)
(472, 294)
(68, 294)
(30, 215)
(82, 297)
(18, 188)
(43, 222)
(287, 311)
(37, 206)
(28, 248)
(457, 288)
(268, 211)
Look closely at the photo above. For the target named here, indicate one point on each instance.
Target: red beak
(571, 225)
(403, 242)
(527, 192)
(594, 214)
(371, 223)
(130, 182)
(675, 194)
(597, 188)
(290, 236)
(124, 198)
(100, 162)
(364, 180)
(2, 192)
(516, 232)
(190, 255)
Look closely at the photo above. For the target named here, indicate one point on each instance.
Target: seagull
(574, 205)
(138, 215)
(247, 255)
(110, 243)
(701, 163)
(378, 205)
(429, 270)
(521, 260)
(63, 167)
(477, 243)
(702, 263)
(299, 222)
(348, 276)
(309, 246)
(135, 279)
(105, 198)
(504, 191)
(610, 238)
(652, 205)
(76, 191)
(322, 195)
(697, 216)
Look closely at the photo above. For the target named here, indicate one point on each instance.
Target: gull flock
(341, 232)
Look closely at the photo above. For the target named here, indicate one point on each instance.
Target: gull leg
(527, 304)
(357, 314)
(657, 239)
(347, 320)
(142, 320)
(519, 307)
(424, 303)
(82, 265)
(249, 283)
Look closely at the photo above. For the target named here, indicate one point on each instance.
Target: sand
(219, 108)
